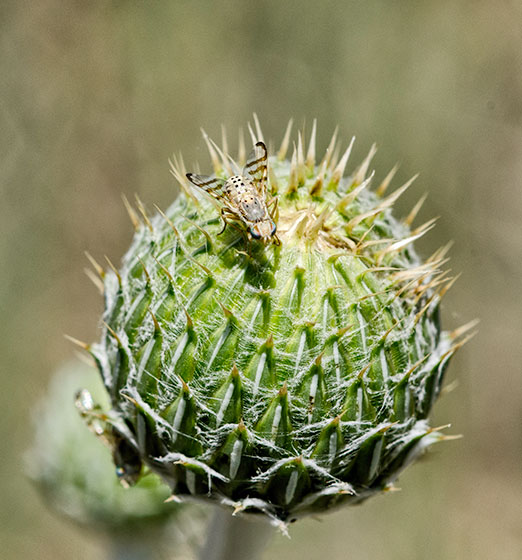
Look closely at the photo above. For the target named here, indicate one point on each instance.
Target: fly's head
(265, 231)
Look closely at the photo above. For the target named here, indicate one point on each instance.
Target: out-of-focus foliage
(95, 97)
(76, 476)
(75, 470)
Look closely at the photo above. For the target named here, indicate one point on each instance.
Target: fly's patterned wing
(256, 167)
(212, 185)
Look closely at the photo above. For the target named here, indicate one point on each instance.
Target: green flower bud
(75, 471)
(287, 375)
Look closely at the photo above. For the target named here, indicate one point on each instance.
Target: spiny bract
(276, 379)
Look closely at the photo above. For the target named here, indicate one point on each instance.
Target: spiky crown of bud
(280, 379)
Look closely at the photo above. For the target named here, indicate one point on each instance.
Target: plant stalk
(141, 545)
(132, 551)
(235, 538)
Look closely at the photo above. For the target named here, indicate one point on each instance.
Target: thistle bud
(286, 375)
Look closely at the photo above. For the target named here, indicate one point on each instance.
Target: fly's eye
(254, 234)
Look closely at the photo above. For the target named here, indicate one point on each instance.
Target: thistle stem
(141, 545)
(132, 549)
(235, 538)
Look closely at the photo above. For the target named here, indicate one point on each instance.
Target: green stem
(126, 551)
(235, 538)
(142, 545)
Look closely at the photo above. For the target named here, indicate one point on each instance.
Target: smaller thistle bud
(272, 341)
(76, 474)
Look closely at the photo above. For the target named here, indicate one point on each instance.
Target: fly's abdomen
(236, 190)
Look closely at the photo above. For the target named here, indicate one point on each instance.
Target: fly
(244, 197)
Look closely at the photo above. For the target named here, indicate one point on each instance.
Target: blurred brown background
(94, 98)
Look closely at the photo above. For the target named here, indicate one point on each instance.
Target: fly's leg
(273, 212)
(225, 223)
(227, 213)
(244, 233)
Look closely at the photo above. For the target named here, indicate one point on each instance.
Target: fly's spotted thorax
(277, 378)
(244, 197)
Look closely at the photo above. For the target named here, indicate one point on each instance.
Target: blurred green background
(95, 97)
